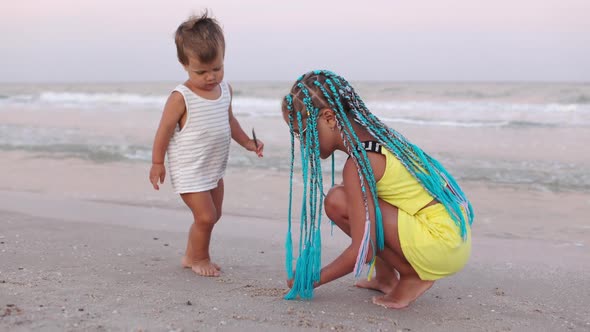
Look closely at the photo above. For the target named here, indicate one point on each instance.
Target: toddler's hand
(158, 172)
(256, 146)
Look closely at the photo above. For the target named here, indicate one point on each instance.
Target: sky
(386, 40)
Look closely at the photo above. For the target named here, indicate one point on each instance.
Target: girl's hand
(290, 283)
(157, 172)
(256, 146)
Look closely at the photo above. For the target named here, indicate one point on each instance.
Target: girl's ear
(329, 115)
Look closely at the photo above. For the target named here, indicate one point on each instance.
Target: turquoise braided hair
(309, 262)
(321, 89)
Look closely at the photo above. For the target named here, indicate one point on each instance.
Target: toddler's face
(205, 76)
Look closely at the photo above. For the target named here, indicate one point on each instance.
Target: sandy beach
(498, 92)
(80, 253)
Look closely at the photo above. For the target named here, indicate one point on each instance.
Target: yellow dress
(429, 238)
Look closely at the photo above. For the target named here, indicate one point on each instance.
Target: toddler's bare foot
(406, 291)
(187, 263)
(379, 284)
(206, 268)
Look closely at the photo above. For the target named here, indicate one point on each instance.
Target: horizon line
(482, 81)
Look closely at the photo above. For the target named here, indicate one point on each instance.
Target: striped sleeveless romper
(198, 153)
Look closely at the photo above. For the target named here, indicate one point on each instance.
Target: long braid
(316, 188)
(288, 240)
(309, 261)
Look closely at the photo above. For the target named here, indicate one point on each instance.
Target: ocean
(532, 134)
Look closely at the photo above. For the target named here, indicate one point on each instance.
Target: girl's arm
(344, 264)
(173, 112)
(238, 134)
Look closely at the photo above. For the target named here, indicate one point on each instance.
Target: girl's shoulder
(377, 161)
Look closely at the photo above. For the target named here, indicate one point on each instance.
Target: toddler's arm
(173, 111)
(238, 134)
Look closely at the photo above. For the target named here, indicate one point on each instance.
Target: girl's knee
(335, 202)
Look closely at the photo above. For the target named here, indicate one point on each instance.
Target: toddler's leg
(187, 261)
(217, 196)
(204, 218)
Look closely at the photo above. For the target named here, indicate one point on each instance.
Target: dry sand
(87, 246)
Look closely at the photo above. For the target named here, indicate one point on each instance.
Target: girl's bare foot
(407, 290)
(385, 278)
(206, 268)
(379, 284)
(186, 263)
